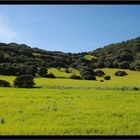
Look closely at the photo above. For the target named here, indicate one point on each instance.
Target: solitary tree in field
(24, 81)
(121, 73)
(87, 73)
(107, 77)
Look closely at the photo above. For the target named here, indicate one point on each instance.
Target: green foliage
(4, 83)
(124, 65)
(67, 71)
(75, 77)
(24, 81)
(123, 55)
(137, 66)
(18, 59)
(107, 77)
(89, 77)
(100, 64)
(121, 73)
(87, 73)
(2, 121)
(50, 75)
(42, 71)
(99, 73)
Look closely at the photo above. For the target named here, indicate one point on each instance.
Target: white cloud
(7, 34)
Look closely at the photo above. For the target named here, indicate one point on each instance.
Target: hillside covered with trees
(18, 59)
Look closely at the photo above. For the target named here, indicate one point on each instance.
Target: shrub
(2, 121)
(100, 64)
(137, 66)
(132, 67)
(24, 81)
(124, 65)
(135, 88)
(108, 64)
(120, 73)
(51, 75)
(75, 77)
(99, 73)
(42, 71)
(4, 83)
(89, 77)
(107, 77)
(87, 73)
(67, 71)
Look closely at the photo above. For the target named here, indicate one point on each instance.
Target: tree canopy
(18, 59)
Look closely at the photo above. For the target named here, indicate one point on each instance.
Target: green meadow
(64, 106)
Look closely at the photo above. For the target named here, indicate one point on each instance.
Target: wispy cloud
(7, 34)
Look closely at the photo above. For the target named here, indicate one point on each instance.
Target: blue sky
(68, 28)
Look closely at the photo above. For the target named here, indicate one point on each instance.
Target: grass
(89, 57)
(131, 80)
(59, 73)
(69, 112)
(72, 107)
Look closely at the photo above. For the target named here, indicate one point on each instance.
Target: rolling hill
(17, 59)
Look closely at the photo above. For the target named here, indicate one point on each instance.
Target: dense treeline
(18, 59)
(124, 55)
